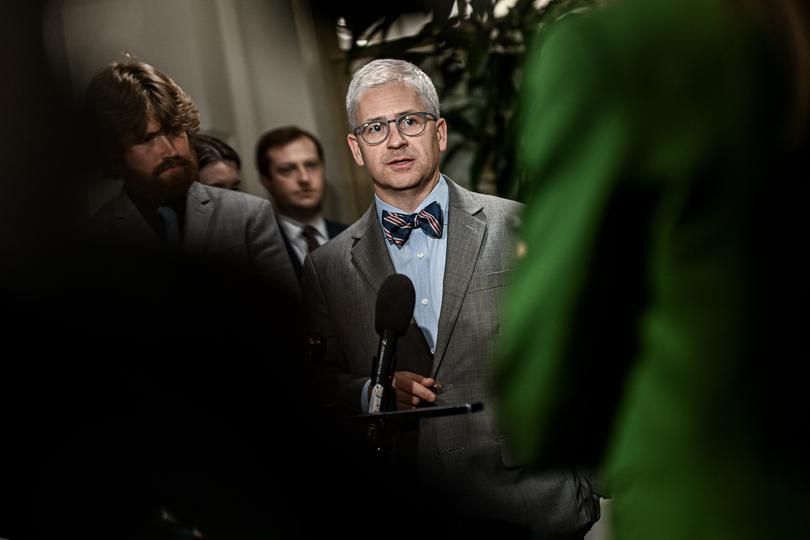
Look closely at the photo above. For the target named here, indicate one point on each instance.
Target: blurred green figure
(655, 325)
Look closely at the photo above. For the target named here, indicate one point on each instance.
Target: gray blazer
(220, 224)
(466, 455)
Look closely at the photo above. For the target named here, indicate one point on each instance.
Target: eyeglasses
(411, 124)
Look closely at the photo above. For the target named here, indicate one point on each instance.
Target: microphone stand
(382, 426)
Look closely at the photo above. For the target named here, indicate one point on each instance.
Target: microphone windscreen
(395, 303)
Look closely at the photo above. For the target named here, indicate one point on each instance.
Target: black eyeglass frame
(358, 131)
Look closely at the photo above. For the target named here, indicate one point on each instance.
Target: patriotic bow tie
(398, 227)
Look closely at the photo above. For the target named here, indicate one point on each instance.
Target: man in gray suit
(141, 122)
(457, 248)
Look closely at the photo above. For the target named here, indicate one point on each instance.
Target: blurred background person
(124, 405)
(141, 122)
(184, 276)
(653, 321)
(218, 163)
(290, 163)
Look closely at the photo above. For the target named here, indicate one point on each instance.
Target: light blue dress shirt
(422, 259)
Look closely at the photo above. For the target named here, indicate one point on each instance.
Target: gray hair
(384, 71)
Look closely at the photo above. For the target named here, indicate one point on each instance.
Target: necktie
(398, 227)
(311, 235)
(169, 217)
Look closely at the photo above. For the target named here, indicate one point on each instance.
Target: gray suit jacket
(464, 454)
(221, 224)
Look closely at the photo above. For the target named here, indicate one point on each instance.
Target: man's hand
(412, 389)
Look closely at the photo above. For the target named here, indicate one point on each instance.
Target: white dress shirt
(295, 234)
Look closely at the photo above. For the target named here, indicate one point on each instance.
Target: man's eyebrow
(152, 133)
(382, 118)
(370, 120)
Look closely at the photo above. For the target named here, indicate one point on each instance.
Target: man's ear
(354, 146)
(441, 133)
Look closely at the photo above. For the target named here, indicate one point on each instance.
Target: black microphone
(392, 315)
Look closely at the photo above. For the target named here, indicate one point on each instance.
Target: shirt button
(424, 301)
(420, 254)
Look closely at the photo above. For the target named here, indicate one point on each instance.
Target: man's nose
(395, 138)
(166, 146)
(303, 174)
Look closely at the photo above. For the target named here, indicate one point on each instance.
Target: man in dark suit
(184, 284)
(290, 163)
(457, 247)
(141, 122)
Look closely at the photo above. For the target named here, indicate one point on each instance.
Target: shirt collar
(439, 195)
(294, 228)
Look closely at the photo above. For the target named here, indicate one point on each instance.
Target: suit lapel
(465, 234)
(198, 215)
(369, 254)
(127, 219)
(296, 264)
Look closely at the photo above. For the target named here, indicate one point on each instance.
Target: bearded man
(141, 123)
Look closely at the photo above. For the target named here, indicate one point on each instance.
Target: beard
(165, 183)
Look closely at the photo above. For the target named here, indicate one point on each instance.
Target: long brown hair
(120, 100)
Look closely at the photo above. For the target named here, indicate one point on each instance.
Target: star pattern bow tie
(398, 227)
